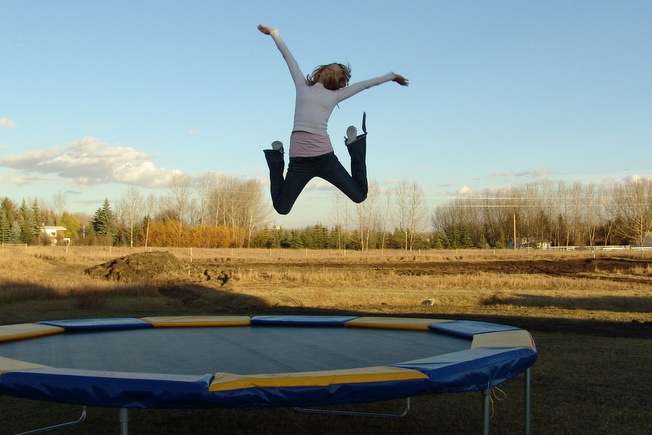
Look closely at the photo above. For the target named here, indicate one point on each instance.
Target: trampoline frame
(497, 353)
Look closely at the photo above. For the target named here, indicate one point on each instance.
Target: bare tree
(633, 205)
(548, 204)
(410, 210)
(339, 215)
(129, 210)
(493, 217)
(225, 188)
(365, 215)
(254, 210)
(565, 205)
(206, 184)
(591, 210)
(59, 201)
(603, 210)
(576, 219)
(385, 212)
(529, 207)
(149, 206)
(180, 199)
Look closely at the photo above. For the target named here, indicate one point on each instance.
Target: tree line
(552, 213)
(213, 211)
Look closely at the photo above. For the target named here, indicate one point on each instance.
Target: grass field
(590, 314)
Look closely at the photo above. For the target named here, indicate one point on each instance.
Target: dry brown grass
(374, 281)
(39, 273)
(597, 296)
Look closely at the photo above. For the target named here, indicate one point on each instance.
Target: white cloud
(193, 131)
(635, 178)
(88, 162)
(464, 190)
(317, 184)
(6, 123)
(530, 173)
(23, 180)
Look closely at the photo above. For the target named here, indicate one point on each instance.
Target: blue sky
(97, 96)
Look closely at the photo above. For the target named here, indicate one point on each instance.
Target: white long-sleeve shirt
(314, 104)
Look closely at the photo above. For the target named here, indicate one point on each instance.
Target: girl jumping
(311, 151)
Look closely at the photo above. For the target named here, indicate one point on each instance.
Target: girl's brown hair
(313, 78)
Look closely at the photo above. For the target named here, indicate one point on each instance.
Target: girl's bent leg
(358, 153)
(299, 174)
(276, 164)
(286, 191)
(331, 170)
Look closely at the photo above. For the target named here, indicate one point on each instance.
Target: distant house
(529, 243)
(55, 234)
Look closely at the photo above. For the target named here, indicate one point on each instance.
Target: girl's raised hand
(401, 80)
(266, 30)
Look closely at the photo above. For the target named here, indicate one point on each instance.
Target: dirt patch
(164, 267)
(559, 267)
(157, 267)
(637, 271)
(143, 267)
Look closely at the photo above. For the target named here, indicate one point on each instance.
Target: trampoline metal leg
(486, 410)
(528, 402)
(81, 418)
(124, 421)
(486, 405)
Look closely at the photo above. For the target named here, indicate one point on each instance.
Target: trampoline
(259, 361)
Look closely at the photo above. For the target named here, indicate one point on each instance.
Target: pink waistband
(304, 144)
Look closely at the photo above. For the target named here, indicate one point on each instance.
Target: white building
(55, 233)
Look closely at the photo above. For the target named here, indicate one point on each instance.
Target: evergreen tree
(465, 237)
(37, 216)
(27, 224)
(482, 243)
(15, 231)
(336, 238)
(277, 235)
(5, 227)
(103, 221)
(441, 241)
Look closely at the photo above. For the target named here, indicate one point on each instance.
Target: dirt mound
(141, 267)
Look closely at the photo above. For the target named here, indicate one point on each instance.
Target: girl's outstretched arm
(295, 71)
(354, 88)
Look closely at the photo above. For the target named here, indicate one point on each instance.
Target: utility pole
(514, 230)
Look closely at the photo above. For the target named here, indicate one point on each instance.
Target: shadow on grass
(23, 303)
(532, 324)
(195, 299)
(11, 291)
(622, 304)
